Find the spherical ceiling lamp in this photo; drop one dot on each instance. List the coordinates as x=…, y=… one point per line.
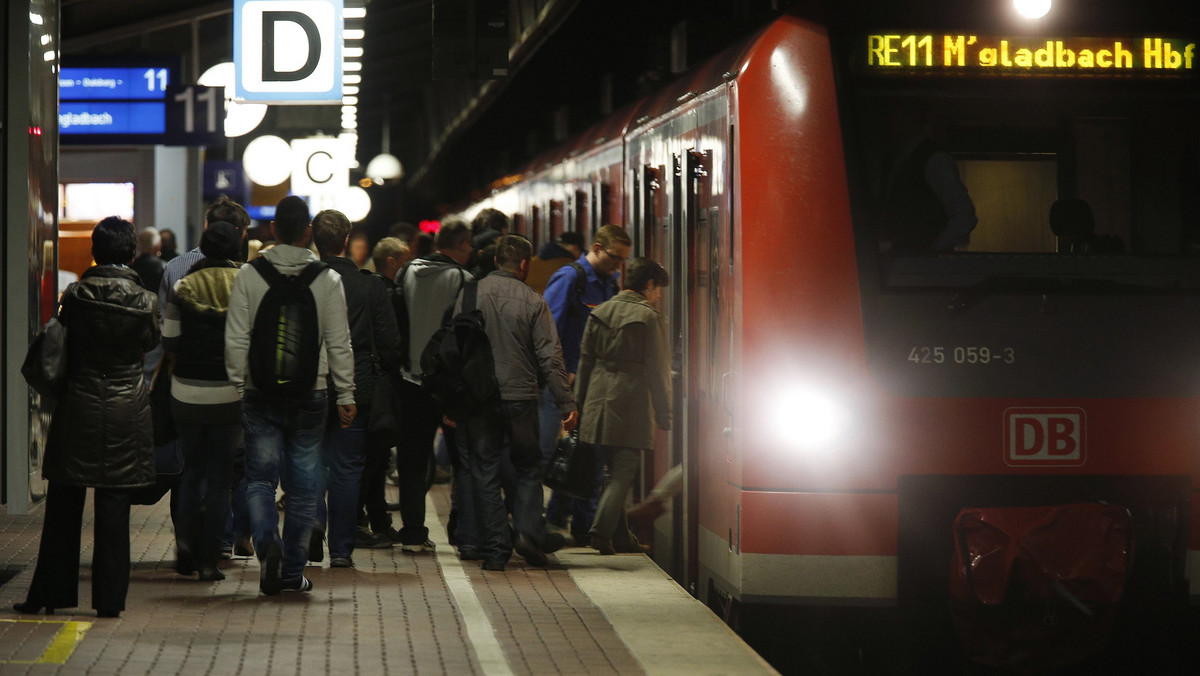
x=240, y=118
x=384, y=167
x=354, y=202
x=1032, y=9
x=268, y=160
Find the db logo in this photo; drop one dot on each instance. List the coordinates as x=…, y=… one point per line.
x=1045, y=437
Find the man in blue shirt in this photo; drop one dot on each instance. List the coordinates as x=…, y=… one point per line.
x=571, y=308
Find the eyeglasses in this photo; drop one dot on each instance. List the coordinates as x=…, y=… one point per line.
x=618, y=259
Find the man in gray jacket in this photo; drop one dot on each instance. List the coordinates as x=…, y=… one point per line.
x=526, y=351
x=429, y=285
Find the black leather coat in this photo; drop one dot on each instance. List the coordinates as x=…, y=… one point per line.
x=101, y=433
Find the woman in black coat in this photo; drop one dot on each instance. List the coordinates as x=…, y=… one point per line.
x=101, y=434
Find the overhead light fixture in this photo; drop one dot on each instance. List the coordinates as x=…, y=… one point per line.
x=354, y=13
x=353, y=34
x=268, y=160
x=384, y=167
x=351, y=79
x=1032, y=9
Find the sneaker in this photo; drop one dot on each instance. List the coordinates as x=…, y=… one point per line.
x=532, y=554
x=300, y=584
x=211, y=575
x=469, y=555
x=364, y=540
x=494, y=565
x=268, y=577
x=226, y=552
x=341, y=562
x=426, y=546
x=316, y=545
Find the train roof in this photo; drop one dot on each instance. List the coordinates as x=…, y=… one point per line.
x=709, y=75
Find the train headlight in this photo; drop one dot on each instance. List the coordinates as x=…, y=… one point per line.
x=806, y=419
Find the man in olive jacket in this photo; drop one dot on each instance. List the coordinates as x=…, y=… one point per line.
x=624, y=374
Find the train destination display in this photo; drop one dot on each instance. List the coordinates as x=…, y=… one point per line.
x=947, y=54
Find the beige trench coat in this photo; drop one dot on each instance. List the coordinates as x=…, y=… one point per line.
x=623, y=386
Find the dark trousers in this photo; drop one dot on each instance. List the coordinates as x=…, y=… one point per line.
x=372, y=496
x=204, y=489
x=420, y=417
x=516, y=422
x=56, y=577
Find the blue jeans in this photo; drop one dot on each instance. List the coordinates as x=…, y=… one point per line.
x=204, y=489
x=343, y=455
x=283, y=439
x=516, y=421
x=561, y=506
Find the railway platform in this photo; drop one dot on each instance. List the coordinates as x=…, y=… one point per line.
x=394, y=613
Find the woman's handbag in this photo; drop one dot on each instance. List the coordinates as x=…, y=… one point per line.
x=572, y=468
x=45, y=366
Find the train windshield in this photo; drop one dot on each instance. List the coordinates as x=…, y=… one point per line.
x=984, y=155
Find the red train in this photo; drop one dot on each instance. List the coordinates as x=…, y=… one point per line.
x=838, y=399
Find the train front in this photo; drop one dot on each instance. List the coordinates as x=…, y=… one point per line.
x=1025, y=198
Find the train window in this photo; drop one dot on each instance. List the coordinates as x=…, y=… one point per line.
x=582, y=224
x=652, y=193
x=1082, y=162
x=605, y=210
x=557, y=218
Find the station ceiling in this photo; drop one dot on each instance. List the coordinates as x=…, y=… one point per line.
x=571, y=61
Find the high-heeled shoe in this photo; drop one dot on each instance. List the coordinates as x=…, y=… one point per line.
x=28, y=608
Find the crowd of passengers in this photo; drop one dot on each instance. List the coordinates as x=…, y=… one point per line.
x=575, y=337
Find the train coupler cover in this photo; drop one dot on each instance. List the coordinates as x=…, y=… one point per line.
x=1035, y=587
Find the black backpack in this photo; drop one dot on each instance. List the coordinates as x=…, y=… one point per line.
x=456, y=365
x=575, y=306
x=285, y=341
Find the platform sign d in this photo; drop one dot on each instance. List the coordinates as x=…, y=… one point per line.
x=288, y=51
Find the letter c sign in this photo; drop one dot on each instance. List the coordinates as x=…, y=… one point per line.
x=288, y=51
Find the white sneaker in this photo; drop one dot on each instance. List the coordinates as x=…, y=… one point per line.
x=426, y=546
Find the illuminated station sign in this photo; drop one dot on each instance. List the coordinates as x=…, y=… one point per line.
x=136, y=103
x=948, y=54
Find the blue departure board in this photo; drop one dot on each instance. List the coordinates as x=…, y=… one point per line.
x=112, y=117
x=136, y=100
x=140, y=82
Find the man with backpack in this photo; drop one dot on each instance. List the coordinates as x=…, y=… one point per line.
x=572, y=292
x=525, y=351
x=426, y=289
x=285, y=332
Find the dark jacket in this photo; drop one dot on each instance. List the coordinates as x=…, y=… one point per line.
x=624, y=373
x=150, y=270
x=101, y=434
x=367, y=307
x=523, y=340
